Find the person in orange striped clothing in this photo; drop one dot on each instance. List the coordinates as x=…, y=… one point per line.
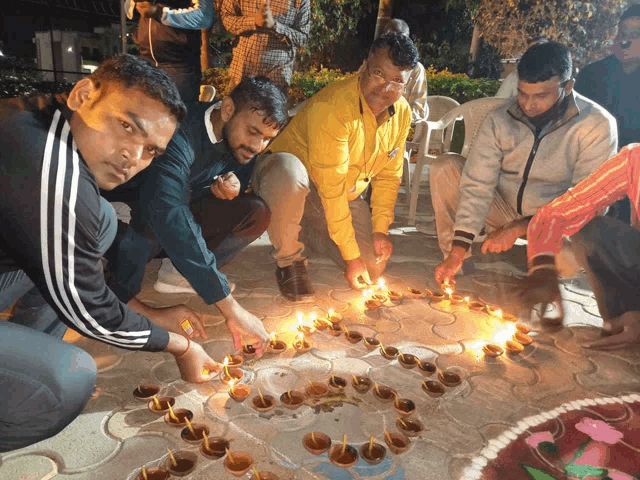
x=606, y=247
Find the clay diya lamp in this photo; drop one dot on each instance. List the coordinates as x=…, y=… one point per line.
x=513, y=348
x=337, y=384
x=438, y=297
x=343, y=455
x=161, y=404
x=292, y=399
x=456, y=299
x=407, y=360
x=194, y=433
x=214, y=447
x=371, y=343
x=373, y=453
x=333, y=316
x=522, y=328
x=306, y=329
x=239, y=393
x=522, y=338
x=352, y=336
x=316, y=442
x=302, y=345
x=276, y=346
x=397, y=442
x=180, y=464
x=493, y=310
x=335, y=329
x=361, y=384
x=410, y=427
x=248, y=351
x=263, y=475
x=450, y=379
x=492, y=350
x=509, y=317
x=263, y=403
x=404, y=406
x=316, y=389
x=228, y=375
x=389, y=352
x=177, y=417
x=234, y=360
x=380, y=297
x=383, y=393
x=433, y=389
x=427, y=368
x=414, y=292
x=476, y=306
x=372, y=304
x=146, y=392
x=395, y=297
x=153, y=473
x=237, y=463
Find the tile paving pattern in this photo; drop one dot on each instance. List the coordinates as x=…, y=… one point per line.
x=116, y=434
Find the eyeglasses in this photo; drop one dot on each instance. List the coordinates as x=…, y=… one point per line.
x=379, y=80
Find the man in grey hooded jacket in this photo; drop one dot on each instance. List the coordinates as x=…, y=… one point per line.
x=530, y=150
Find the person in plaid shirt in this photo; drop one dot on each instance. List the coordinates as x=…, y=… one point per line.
x=268, y=32
x=607, y=248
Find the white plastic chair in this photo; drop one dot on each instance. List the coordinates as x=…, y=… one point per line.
x=473, y=114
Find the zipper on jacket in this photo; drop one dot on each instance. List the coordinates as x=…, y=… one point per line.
x=527, y=169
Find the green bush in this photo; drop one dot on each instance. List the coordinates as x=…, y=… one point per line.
x=305, y=84
x=17, y=79
x=459, y=86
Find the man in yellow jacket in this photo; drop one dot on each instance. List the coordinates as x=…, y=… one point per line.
x=349, y=135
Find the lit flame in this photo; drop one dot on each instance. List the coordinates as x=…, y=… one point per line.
x=299, y=317
x=300, y=337
x=498, y=313
x=448, y=290
x=273, y=336
x=467, y=299
x=504, y=334
x=226, y=361
x=381, y=283
x=331, y=312
x=312, y=317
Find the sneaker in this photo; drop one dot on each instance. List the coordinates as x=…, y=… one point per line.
x=170, y=280
x=294, y=283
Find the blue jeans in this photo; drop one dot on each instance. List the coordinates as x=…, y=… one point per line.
x=45, y=383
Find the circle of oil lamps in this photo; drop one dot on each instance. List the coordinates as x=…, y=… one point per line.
x=316, y=389
x=407, y=360
x=337, y=384
x=383, y=393
x=427, y=368
x=492, y=350
x=239, y=392
x=146, y=392
x=397, y=442
x=352, y=336
x=372, y=452
x=214, y=447
x=178, y=417
x=152, y=473
x=316, y=442
x=522, y=338
x=343, y=455
x=389, y=352
x=361, y=384
x=263, y=403
x=404, y=406
x=514, y=348
x=433, y=389
x=411, y=427
x=237, y=463
x=180, y=464
x=161, y=404
x=371, y=343
x=292, y=399
x=449, y=378
x=193, y=433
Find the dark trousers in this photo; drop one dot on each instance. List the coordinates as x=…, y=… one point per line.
x=227, y=227
x=44, y=382
x=608, y=250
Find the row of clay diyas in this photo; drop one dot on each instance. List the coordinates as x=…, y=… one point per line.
x=516, y=345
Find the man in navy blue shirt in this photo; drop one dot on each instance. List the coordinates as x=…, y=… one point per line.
x=191, y=205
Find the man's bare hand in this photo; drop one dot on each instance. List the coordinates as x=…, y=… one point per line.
x=178, y=318
x=243, y=325
x=382, y=247
x=357, y=274
x=264, y=17
x=149, y=10
x=503, y=238
x=624, y=330
x=196, y=366
x=226, y=187
x=446, y=271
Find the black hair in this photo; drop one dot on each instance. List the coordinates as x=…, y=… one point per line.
x=130, y=71
x=396, y=25
x=543, y=61
x=261, y=95
x=402, y=51
x=632, y=11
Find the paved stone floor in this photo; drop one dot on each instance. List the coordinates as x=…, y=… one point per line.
x=116, y=435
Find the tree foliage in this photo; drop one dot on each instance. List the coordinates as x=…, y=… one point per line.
x=585, y=26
